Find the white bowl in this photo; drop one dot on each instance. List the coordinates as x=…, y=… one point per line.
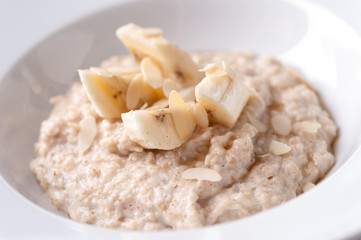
x=323, y=48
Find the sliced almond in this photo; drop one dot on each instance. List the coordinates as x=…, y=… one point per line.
x=169, y=85
x=134, y=91
x=127, y=78
x=281, y=124
x=310, y=126
x=231, y=74
x=217, y=73
x=200, y=115
x=180, y=115
x=308, y=186
x=255, y=99
x=261, y=127
x=144, y=106
x=188, y=94
x=209, y=68
x=263, y=156
x=162, y=103
x=176, y=100
x=202, y=174
x=151, y=32
x=278, y=148
x=87, y=133
x=101, y=72
x=151, y=72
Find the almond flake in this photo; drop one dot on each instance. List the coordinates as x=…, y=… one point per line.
x=151, y=72
x=278, y=148
x=217, y=73
x=200, y=115
x=281, y=124
x=308, y=186
x=255, y=99
x=87, y=133
x=180, y=115
x=151, y=32
x=310, y=127
x=208, y=68
x=188, y=94
x=144, y=106
x=169, y=85
x=176, y=100
x=261, y=127
x=162, y=103
x=202, y=174
x=231, y=74
x=133, y=93
x=263, y=156
x=101, y=72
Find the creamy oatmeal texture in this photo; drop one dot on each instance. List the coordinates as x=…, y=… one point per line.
x=279, y=146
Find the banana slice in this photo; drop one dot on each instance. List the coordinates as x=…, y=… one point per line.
x=174, y=62
x=222, y=93
x=160, y=128
x=105, y=91
x=152, y=128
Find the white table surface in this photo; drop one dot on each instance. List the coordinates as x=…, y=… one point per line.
x=22, y=24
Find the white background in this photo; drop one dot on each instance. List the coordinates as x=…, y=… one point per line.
x=22, y=25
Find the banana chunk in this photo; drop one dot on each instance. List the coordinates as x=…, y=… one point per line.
x=174, y=62
x=160, y=128
x=106, y=92
x=222, y=93
x=152, y=128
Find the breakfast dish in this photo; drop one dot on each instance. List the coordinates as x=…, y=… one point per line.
x=163, y=139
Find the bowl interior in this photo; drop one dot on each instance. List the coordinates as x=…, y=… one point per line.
x=317, y=44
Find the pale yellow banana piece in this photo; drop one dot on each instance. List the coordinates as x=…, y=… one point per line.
x=106, y=91
x=222, y=93
x=152, y=128
x=149, y=42
x=160, y=128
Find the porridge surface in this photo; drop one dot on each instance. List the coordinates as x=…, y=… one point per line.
x=117, y=183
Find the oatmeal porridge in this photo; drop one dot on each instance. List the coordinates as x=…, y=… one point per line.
x=162, y=139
